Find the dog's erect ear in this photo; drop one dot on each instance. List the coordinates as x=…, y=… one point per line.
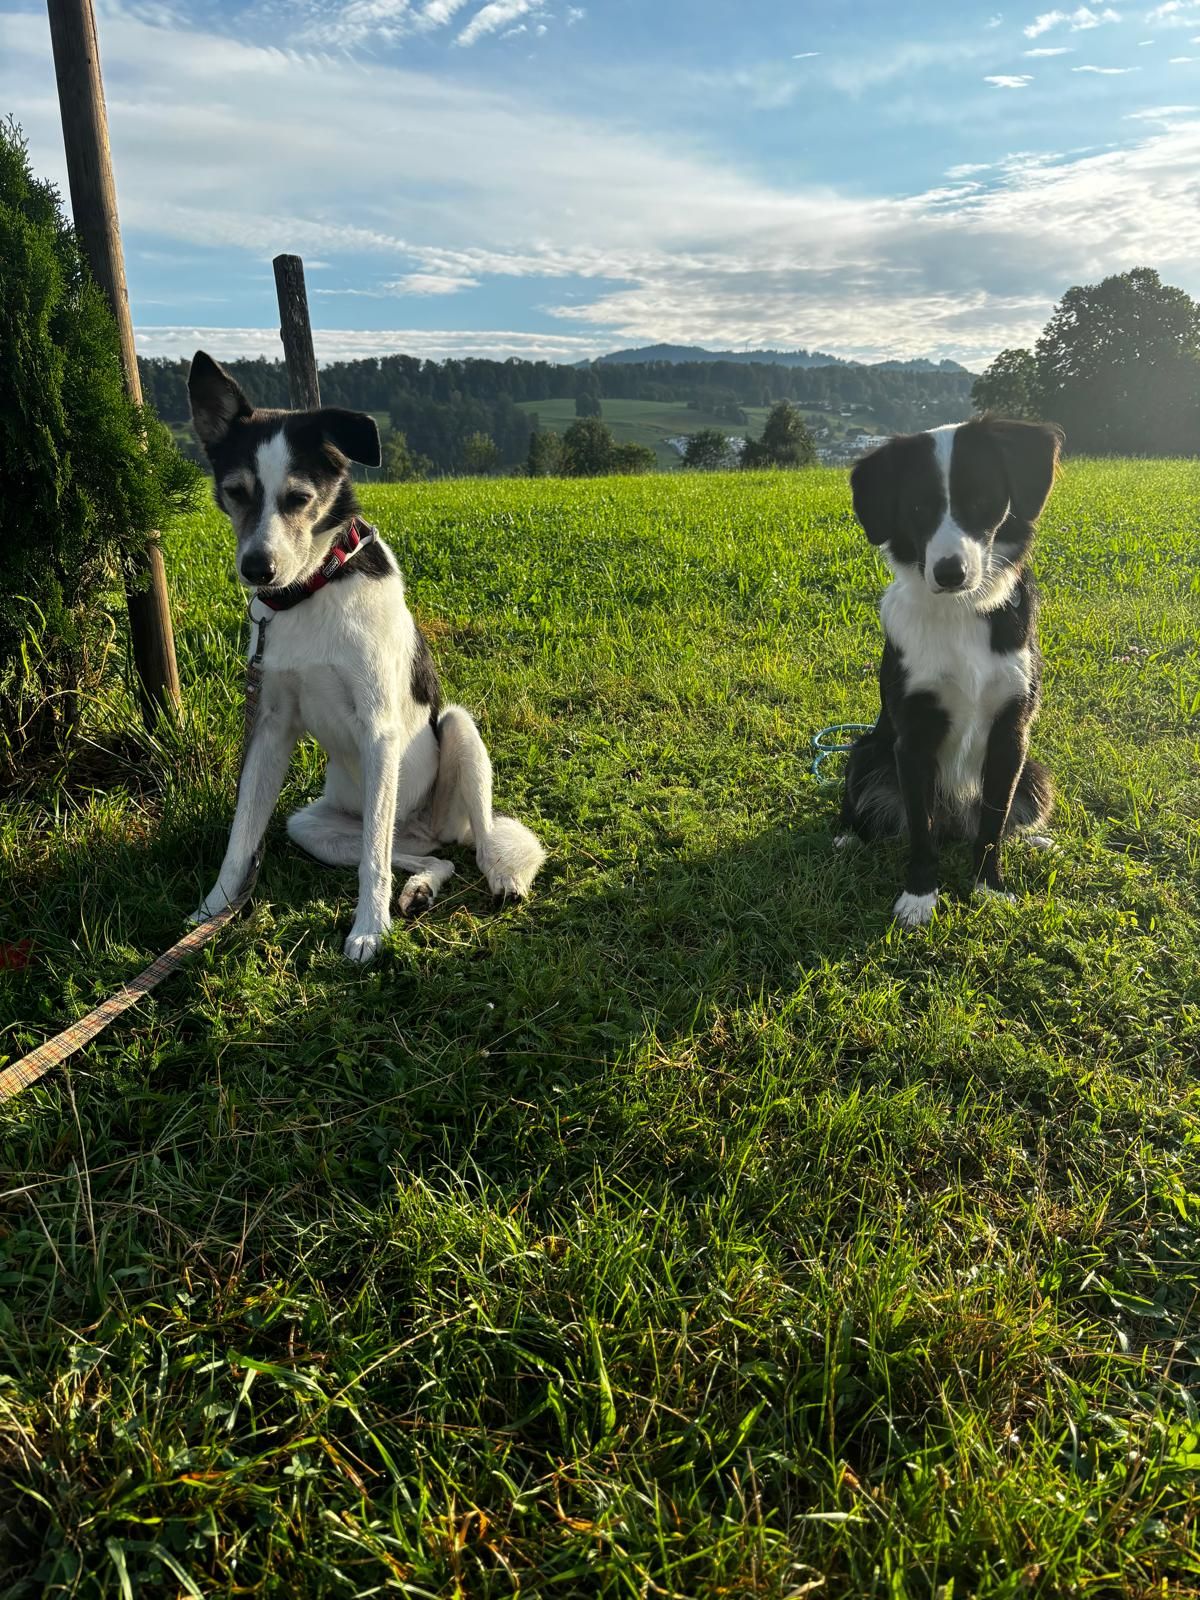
x=1030, y=451
x=873, y=485
x=353, y=432
x=216, y=399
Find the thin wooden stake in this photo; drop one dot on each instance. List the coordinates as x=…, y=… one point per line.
x=296, y=332
x=94, y=209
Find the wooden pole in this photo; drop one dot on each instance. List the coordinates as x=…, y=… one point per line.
x=296, y=332
x=94, y=209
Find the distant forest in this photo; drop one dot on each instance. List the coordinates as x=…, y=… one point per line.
x=442, y=406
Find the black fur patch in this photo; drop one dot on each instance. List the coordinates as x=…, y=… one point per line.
x=374, y=562
x=426, y=685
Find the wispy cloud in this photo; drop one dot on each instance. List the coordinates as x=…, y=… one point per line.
x=1107, y=72
x=1175, y=14
x=493, y=16
x=1079, y=20
x=806, y=55
x=1001, y=81
x=1052, y=50
x=1162, y=114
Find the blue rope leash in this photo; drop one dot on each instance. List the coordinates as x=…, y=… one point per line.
x=822, y=749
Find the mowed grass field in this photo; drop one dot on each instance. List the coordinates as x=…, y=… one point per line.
x=689, y=1231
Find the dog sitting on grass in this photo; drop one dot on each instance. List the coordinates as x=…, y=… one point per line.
x=953, y=513
x=343, y=661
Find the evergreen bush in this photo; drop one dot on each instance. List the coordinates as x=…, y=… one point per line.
x=84, y=474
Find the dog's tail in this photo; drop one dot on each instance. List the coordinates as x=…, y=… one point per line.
x=508, y=854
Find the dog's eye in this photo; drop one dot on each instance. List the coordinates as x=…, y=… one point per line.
x=237, y=492
x=296, y=500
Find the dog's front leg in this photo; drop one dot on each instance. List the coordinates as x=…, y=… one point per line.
x=258, y=789
x=373, y=918
x=1002, y=763
x=919, y=739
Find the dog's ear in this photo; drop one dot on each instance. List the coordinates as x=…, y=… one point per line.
x=215, y=398
x=873, y=486
x=354, y=433
x=1030, y=451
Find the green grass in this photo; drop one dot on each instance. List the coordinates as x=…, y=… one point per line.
x=688, y=1231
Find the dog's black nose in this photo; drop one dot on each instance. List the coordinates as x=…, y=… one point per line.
x=949, y=573
x=258, y=568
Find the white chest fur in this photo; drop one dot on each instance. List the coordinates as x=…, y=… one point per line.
x=946, y=651
x=339, y=665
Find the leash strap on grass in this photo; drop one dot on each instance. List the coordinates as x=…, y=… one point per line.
x=38, y=1062
x=823, y=748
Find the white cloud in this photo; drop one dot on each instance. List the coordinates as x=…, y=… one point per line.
x=1002, y=82
x=244, y=344
x=1162, y=114
x=1176, y=14
x=995, y=20
x=1107, y=72
x=806, y=55
x=427, y=283
x=1079, y=20
x=1052, y=50
x=496, y=14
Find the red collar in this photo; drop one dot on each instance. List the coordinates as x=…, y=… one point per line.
x=356, y=536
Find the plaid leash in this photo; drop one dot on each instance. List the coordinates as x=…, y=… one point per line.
x=38, y=1062
x=20, y=1074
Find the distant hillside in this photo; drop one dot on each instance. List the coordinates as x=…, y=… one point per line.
x=678, y=354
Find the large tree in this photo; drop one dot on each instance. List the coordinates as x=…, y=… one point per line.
x=588, y=448
x=1009, y=386
x=708, y=451
x=785, y=442
x=1118, y=366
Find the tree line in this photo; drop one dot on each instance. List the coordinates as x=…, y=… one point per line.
x=443, y=407
x=1117, y=367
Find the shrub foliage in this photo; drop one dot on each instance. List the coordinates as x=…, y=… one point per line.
x=86, y=476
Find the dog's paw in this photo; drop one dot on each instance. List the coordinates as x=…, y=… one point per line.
x=362, y=945
x=418, y=894
x=914, y=910
x=846, y=841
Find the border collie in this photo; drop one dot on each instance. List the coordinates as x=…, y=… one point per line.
x=348, y=666
x=953, y=512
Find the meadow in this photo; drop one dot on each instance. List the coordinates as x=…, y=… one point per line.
x=688, y=1231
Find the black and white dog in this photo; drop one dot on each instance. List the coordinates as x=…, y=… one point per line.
x=348, y=666
x=953, y=511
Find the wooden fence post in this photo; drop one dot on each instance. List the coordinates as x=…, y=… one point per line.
x=94, y=210
x=296, y=332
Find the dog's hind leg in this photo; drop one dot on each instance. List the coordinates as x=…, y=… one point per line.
x=334, y=838
x=508, y=854
x=1031, y=807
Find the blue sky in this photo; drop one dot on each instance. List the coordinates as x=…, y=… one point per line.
x=511, y=177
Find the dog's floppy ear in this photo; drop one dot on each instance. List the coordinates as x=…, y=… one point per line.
x=1030, y=451
x=215, y=398
x=873, y=486
x=354, y=433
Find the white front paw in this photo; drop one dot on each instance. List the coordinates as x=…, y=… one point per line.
x=914, y=910
x=363, y=944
